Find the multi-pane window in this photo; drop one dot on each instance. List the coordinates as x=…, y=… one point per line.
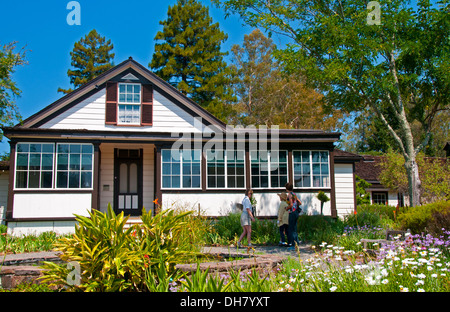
x=74, y=163
x=225, y=169
x=181, y=168
x=235, y=169
x=269, y=169
x=311, y=169
x=302, y=169
x=34, y=165
x=379, y=198
x=129, y=103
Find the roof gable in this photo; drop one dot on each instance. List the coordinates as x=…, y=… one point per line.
x=127, y=71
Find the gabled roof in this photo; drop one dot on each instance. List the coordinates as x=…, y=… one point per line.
x=31, y=126
x=158, y=84
x=368, y=168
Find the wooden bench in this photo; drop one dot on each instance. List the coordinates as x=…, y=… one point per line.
x=390, y=235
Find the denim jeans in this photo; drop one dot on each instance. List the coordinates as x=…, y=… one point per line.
x=283, y=229
x=292, y=229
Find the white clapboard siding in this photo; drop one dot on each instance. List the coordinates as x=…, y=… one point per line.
x=90, y=114
x=345, y=193
x=4, y=182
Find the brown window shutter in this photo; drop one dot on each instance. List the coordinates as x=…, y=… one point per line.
x=147, y=105
x=111, y=103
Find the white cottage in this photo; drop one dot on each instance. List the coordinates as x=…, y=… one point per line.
x=128, y=138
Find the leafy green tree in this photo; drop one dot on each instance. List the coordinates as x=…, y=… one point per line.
x=268, y=96
x=434, y=172
x=187, y=55
x=91, y=56
x=362, y=197
x=9, y=60
x=395, y=59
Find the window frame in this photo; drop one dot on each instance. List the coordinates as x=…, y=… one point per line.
x=16, y=170
x=311, y=171
x=128, y=104
x=377, y=193
x=181, y=162
x=77, y=170
x=269, y=165
x=226, y=175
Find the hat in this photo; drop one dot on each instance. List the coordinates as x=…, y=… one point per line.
x=283, y=196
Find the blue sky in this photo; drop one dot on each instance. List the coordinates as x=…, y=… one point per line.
x=41, y=26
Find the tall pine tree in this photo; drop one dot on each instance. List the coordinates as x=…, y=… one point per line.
x=188, y=56
x=91, y=56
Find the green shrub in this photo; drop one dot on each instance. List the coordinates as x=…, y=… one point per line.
x=113, y=259
x=374, y=215
x=418, y=219
x=318, y=229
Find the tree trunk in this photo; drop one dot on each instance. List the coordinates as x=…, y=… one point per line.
x=414, y=183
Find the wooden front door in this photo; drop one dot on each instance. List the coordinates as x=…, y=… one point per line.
x=128, y=181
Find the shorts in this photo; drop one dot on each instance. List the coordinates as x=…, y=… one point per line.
x=245, y=219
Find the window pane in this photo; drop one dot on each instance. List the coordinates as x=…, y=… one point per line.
x=63, y=148
x=47, y=148
x=47, y=161
x=75, y=148
x=240, y=169
x=166, y=181
x=166, y=155
x=166, y=169
x=35, y=148
x=35, y=161
x=63, y=161
x=74, y=163
x=86, y=163
x=61, y=179
x=86, y=179
x=21, y=147
x=324, y=168
x=196, y=168
x=22, y=161
x=21, y=179
x=86, y=149
x=221, y=181
x=175, y=168
x=74, y=179
x=240, y=182
x=196, y=181
x=33, y=179
x=315, y=156
x=186, y=181
x=46, y=179
x=176, y=181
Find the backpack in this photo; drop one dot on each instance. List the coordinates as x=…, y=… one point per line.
x=296, y=205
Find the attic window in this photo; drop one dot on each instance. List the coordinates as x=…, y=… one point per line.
x=129, y=103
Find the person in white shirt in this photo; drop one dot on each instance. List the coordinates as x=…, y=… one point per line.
x=246, y=218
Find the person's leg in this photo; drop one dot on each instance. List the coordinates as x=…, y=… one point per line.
x=281, y=230
x=291, y=230
x=244, y=232
x=249, y=235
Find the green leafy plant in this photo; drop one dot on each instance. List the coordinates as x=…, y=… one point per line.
x=323, y=199
x=112, y=258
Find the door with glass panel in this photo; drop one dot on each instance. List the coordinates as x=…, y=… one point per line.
x=128, y=181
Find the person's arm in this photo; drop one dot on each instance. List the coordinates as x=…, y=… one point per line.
x=249, y=211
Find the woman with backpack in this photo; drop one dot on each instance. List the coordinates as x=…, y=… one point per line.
x=294, y=210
